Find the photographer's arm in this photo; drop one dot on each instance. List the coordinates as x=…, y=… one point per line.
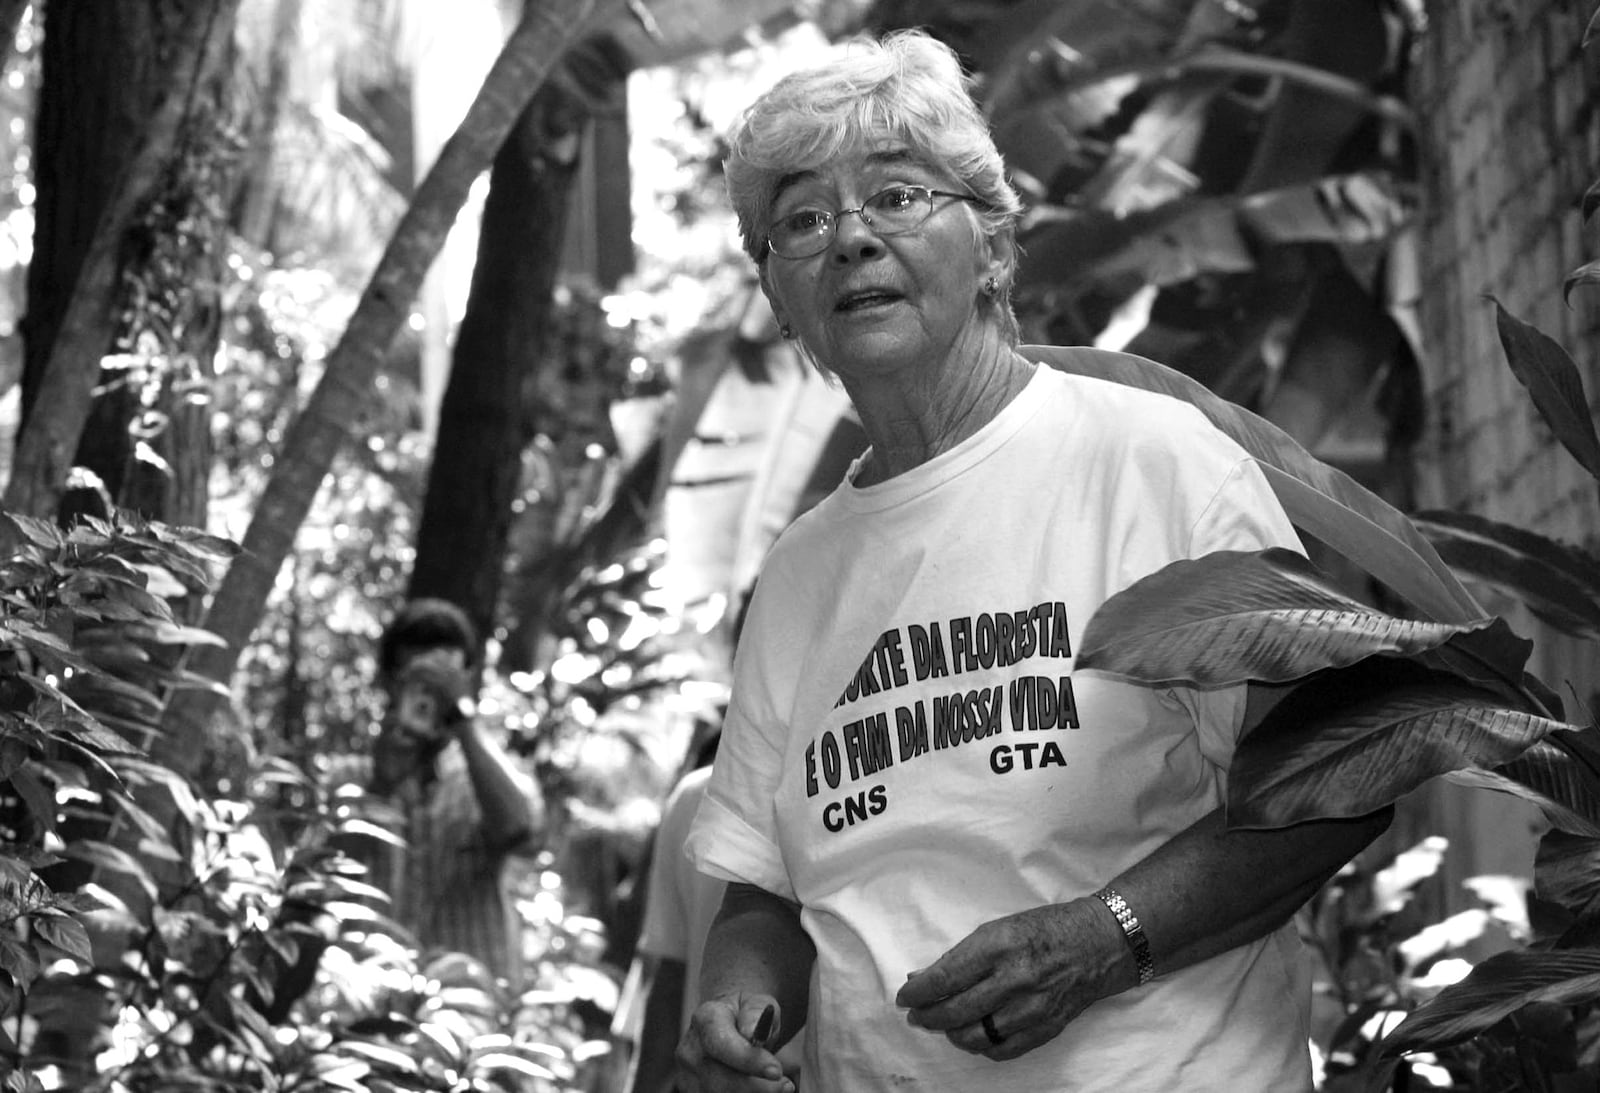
x=512, y=808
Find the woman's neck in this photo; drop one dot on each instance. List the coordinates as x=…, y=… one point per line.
x=909, y=425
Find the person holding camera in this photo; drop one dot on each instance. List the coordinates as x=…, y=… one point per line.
x=462, y=806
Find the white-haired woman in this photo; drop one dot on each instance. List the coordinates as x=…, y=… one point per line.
x=959, y=864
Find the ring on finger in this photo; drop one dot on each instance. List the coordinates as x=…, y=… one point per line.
x=991, y=1032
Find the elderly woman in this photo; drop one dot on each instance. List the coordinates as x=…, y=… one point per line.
x=956, y=862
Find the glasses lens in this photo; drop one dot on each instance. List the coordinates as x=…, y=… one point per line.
x=801, y=233
x=899, y=208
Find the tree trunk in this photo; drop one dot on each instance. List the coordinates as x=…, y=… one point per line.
x=477, y=463
x=99, y=83
x=346, y=387
x=66, y=341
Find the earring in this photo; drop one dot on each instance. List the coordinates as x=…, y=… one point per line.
x=991, y=287
x=786, y=332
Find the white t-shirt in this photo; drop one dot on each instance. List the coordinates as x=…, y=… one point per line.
x=909, y=753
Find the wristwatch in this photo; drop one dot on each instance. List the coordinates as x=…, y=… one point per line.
x=1132, y=932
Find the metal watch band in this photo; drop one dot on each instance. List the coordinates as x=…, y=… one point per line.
x=1132, y=932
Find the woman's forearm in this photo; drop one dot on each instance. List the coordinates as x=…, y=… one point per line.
x=757, y=946
x=1209, y=889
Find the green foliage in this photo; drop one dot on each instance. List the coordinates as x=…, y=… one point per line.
x=1386, y=703
x=155, y=938
x=1379, y=960
x=304, y=680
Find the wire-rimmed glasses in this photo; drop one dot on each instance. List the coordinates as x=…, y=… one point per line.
x=892, y=211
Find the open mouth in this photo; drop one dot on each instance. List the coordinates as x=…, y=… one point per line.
x=858, y=301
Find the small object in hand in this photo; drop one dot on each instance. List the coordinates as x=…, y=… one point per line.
x=990, y=1031
x=763, y=1026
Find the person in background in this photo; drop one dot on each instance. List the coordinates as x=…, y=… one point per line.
x=955, y=861
x=464, y=807
x=680, y=903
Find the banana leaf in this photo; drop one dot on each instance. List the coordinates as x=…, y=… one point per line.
x=1322, y=501
x=1351, y=742
x=1231, y=616
x=1566, y=870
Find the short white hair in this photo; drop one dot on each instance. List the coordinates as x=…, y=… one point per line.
x=905, y=84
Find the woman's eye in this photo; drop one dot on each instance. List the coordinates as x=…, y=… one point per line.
x=898, y=198
x=804, y=220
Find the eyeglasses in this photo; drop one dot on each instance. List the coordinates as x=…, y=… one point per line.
x=894, y=211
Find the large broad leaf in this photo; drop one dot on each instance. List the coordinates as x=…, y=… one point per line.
x=1321, y=500
x=1565, y=790
x=1494, y=990
x=1566, y=870
x=1232, y=616
x=1558, y=583
x=1493, y=657
x=1552, y=379
x=1321, y=754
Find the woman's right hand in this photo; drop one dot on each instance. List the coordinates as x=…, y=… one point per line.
x=720, y=1054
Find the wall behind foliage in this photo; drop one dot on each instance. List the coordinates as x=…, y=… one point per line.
x=1510, y=134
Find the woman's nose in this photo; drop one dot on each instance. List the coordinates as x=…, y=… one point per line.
x=854, y=235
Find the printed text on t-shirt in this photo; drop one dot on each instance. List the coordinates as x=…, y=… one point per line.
x=869, y=744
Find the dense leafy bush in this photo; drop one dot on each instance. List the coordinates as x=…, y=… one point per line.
x=153, y=935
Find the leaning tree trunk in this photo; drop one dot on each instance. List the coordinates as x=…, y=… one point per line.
x=66, y=347
x=347, y=386
x=477, y=462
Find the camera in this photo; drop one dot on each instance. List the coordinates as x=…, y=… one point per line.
x=417, y=710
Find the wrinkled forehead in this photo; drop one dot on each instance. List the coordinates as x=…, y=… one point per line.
x=863, y=159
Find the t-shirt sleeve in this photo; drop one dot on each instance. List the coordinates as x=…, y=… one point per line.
x=1244, y=514
x=734, y=837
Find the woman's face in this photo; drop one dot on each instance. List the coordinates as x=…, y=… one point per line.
x=869, y=304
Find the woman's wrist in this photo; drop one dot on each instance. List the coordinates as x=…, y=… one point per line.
x=1120, y=968
x=1140, y=961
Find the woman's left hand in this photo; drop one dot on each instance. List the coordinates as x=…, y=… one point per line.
x=1028, y=974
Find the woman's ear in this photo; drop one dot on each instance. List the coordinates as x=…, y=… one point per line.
x=1002, y=260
